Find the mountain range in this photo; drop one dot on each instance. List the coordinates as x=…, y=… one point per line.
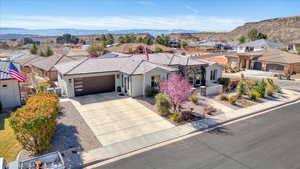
x=17, y=32
x=284, y=29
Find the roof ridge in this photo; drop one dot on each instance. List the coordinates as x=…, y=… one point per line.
x=171, y=59
x=137, y=66
x=77, y=65
x=61, y=56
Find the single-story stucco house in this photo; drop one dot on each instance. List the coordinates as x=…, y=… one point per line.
x=131, y=75
x=259, y=45
x=274, y=60
x=9, y=87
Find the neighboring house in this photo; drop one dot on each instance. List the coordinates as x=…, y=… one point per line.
x=259, y=45
x=9, y=88
x=138, y=48
x=294, y=45
x=221, y=60
x=131, y=75
x=213, y=44
x=175, y=43
x=44, y=66
x=233, y=45
x=267, y=60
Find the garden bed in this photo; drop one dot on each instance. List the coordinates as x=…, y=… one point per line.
x=197, y=112
x=241, y=102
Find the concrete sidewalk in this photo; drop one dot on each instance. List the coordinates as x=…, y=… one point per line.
x=147, y=140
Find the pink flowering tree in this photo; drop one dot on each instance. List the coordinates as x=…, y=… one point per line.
x=177, y=88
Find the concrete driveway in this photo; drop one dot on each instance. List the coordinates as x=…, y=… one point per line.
x=115, y=118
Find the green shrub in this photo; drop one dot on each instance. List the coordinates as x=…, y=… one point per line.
x=261, y=88
x=34, y=124
x=151, y=91
x=269, y=91
x=162, y=104
x=42, y=86
x=225, y=82
x=176, y=117
x=253, y=95
x=232, y=100
x=223, y=97
x=194, y=99
x=241, y=88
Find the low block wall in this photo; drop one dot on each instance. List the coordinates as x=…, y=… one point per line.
x=211, y=90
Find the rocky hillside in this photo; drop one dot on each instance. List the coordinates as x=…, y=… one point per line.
x=278, y=29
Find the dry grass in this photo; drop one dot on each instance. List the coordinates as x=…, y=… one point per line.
x=9, y=146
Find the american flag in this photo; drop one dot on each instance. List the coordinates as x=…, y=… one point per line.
x=146, y=53
x=14, y=73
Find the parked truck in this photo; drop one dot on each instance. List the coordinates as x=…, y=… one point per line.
x=52, y=160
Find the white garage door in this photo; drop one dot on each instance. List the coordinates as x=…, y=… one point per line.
x=9, y=94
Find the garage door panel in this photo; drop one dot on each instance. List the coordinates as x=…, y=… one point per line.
x=91, y=85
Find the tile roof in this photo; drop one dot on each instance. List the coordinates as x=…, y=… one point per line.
x=146, y=66
x=25, y=60
x=218, y=59
x=48, y=63
x=279, y=56
x=136, y=64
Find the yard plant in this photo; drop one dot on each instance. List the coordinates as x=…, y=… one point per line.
x=176, y=117
x=177, y=88
x=162, y=104
x=232, y=100
x=241, y=88
x=150, y=91
x=261, y=88
x=253, y=95
x=34, y=124
x=194, y=99
x=223, y=97
x=269, y=91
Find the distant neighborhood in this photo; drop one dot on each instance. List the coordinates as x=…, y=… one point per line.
x=81, y=94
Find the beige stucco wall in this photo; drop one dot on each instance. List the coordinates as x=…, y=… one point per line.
x=137, y=85
x=208, y=72
x=232, y=62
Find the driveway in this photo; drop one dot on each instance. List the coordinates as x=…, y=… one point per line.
x=268, y=141
x=115, y=118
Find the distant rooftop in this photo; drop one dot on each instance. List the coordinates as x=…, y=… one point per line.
x=263, y=43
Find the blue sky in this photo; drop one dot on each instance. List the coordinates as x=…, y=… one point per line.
x=208, y=15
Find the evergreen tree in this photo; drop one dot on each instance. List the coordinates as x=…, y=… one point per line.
x=34, y=49
x=49, y=51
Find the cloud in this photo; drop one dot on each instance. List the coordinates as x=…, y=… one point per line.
x=193, y=10
x=192, y=22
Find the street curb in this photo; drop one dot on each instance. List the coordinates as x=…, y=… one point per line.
x=208, y=128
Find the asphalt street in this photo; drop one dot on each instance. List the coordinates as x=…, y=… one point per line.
x=268, y=141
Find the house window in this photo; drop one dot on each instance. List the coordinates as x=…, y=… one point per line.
x=155, y=81
x=213, y=74
x=191, y=77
